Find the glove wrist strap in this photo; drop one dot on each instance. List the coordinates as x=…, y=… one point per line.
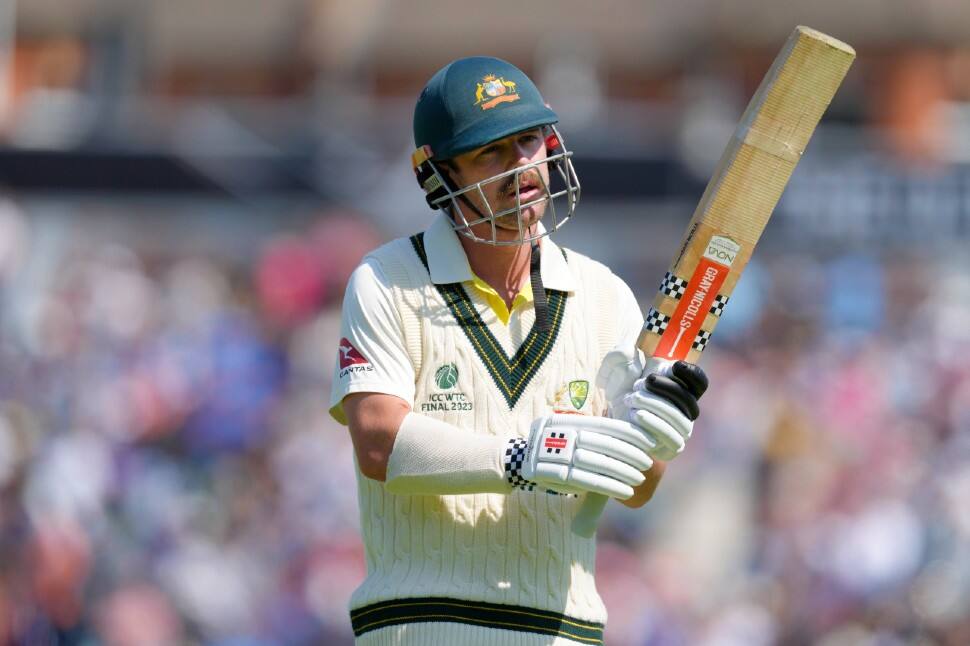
x=514, y=460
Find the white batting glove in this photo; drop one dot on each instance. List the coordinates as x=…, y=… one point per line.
x=579, y=454
x=663, y=404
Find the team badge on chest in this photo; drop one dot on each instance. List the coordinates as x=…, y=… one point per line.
x=571, y=397
x=578, y=391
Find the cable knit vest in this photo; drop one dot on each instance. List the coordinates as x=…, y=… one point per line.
x=486, y=568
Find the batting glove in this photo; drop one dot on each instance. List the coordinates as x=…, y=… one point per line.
x=580, y=454
x=663, y=404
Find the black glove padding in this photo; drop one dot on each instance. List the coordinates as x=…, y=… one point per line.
x=682, y=389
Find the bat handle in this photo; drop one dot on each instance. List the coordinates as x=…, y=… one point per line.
x=588, y=516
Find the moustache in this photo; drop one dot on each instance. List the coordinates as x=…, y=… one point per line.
x=530, y=179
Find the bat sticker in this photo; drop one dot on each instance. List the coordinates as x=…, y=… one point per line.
x=720, y=302
x=656, y=321
x=673, y=286
x=683, y=327
x=722, y=250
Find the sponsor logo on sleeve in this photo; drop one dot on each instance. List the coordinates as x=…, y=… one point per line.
x=351, y=360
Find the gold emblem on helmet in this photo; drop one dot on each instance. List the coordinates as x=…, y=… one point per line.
x=494, y=90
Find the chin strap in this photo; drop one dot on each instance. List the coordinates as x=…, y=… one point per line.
x=538, y=291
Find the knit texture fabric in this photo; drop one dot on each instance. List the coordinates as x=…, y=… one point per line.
x=480, y=375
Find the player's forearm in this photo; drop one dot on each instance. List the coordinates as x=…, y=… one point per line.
x=431, y=457
x=417, y=455
x=373, y=420
x=643, y=493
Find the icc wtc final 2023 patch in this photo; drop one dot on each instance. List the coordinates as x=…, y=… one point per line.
x=446, y=379
x=446, y=376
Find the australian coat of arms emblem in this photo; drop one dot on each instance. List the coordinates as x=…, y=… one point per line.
x=493, y=90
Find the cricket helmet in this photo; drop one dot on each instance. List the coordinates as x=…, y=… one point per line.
x=468, y=104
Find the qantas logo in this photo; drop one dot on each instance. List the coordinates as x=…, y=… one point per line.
x=351, y=360
x=349, y=355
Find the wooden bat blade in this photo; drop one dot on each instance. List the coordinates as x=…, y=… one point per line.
x=741, y=195
x=734, y=209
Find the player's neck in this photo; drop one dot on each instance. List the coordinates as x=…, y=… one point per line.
x=505, y=268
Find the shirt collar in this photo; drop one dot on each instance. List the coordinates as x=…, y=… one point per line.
x=447, y=262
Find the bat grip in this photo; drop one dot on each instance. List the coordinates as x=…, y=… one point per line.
x=588, y=516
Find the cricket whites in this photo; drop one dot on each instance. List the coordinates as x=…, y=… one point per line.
x=740, y=197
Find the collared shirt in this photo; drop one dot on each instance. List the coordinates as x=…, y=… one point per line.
x=371, y=329
x=449, y=264
x=523, y=299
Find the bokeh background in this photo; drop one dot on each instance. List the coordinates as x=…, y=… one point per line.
x=185, y=187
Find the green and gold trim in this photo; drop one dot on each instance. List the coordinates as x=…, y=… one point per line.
x=395, y=612
x=510, y=374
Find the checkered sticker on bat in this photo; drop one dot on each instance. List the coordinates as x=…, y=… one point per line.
x=701, y=341
x=720, y=302
x=673, y=286
x=656, y=321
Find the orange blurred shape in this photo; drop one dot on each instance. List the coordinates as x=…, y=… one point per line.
x=910, y=98
x=55, y=63
x=60, y=555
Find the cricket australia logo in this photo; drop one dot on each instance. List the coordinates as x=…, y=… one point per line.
x=571, y=397
x=446, y=379
x=578, y=391
x=493, y=90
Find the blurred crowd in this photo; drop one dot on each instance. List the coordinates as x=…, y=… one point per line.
x=169, y=473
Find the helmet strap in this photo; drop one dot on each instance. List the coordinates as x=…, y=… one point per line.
x=428, y=178
x=540, y=302
x=538, y=291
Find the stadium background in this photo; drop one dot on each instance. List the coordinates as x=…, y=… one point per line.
x=185, y=187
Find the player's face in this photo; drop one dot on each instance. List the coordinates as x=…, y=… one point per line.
x=498, y=157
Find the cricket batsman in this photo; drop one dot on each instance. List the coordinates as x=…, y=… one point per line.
x=489, y=380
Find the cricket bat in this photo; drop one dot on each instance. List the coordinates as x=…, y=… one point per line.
x=736, y=205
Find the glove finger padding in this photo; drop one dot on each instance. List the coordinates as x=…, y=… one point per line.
x=663, y=409
x=603, y=485
x=617, y=428
x=578, y=453
x=595, y=462
x=675, y=393
x=691, y=376
x=609, y=446
x=670, y=443
x=563, y=478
